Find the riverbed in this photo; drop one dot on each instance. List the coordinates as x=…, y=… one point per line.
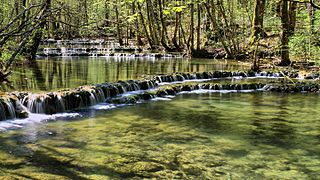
x=207, y=136
x=194, y=135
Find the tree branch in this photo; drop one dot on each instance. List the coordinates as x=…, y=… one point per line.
x=314, y=5
x=18, y=17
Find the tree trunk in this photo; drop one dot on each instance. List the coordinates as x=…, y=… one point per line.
x=119, y=32
x=224, y=31
x=292, y=18
x=198, y=26
x=164, y=27
x=176, y=30
x=285, y=59
x=191, y=37
x=151, y=19
x=211, y=13
x=39, y=32
x=137, y=27
x=24, y=4
x=257, y=25
x=311, y=12
x=132, y=32
x=85, y=13
x=106, y=13
x=145, y=26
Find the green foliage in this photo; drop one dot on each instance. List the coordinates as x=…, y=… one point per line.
x=232, y=23
x=178, y=9
x=304, y=44
x=5, y=55
x=301, y=47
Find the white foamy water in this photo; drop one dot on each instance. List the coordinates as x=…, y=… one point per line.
x=39, y=118
x=104, y=106
x=35, y=118
x=134, y=92
x=205, y=91
x=161, y=99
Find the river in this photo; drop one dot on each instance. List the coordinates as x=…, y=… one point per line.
x=194, y=135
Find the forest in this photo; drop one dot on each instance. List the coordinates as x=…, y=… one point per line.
x=159, y=89
x=285, y=30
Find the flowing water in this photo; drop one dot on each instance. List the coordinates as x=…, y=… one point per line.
x=190, y=136
x=197, y=135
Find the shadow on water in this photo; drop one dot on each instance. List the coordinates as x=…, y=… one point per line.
x=201, y=120
x=48, y=161
x=192, y=136
x=272, y=128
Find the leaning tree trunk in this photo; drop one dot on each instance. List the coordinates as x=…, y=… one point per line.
x=176, y=29
x=37, y=37
x=137, y=27
x=164, y=27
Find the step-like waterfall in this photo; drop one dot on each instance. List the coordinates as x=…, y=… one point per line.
x=16, y=105
x=84, y=96
x=11, y=108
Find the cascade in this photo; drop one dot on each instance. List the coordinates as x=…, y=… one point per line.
x=65, y=100
x=10, y=109
x=64, y=51
x=36, y=104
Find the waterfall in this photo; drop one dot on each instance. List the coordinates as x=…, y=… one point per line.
x=159, y=79
x=36, y=104
x=11, y=109
x=100, y=94
x=135, y=86
x=64, y=51
x=7, y=109
x=66, y=100
x=2, y=112
x=93, y=98
x=60, y=104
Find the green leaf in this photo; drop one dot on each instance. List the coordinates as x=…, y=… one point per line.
x=166, y=12
x=178, y=9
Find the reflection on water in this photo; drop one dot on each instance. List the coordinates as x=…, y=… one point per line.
x=57, y=73
x=208, y=136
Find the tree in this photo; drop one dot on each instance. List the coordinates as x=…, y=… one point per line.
x=284, y=14
x=287, y=12
x=31, y=51
x=118, y=24
x=257, y=25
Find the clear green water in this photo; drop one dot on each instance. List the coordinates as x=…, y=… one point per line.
x=193, y=136
x=60, y=73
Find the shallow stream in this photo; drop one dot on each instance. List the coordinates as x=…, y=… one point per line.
x=206, y=136
x=195, y=135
